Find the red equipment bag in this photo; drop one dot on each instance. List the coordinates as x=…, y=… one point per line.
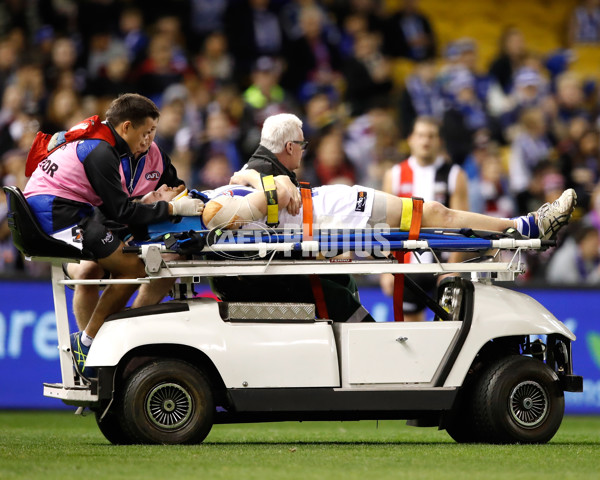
x=44, y=143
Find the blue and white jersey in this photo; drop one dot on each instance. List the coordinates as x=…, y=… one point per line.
x=334, y=207
x=229, y=191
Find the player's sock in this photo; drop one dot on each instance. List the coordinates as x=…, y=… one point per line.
x=527, y=226
x=86, y=339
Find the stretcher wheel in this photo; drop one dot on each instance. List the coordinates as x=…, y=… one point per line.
x=167, y=402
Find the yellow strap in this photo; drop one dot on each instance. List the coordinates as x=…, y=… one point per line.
x=272, y=206
x=268, y=182
x=407, y=212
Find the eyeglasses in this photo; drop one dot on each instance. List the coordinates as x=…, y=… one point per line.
x=303, y=143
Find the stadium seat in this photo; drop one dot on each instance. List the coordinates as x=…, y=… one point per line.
x=401, y=68
x=543, y=22
x=587, y=61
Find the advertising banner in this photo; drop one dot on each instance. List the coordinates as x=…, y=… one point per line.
x=29, y=354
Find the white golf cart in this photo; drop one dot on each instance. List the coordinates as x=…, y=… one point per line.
x=167, y=373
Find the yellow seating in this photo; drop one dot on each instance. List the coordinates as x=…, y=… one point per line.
x=587, y=60
x=401, y=68
x=543, y=22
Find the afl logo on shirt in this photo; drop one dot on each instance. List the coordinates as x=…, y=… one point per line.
x=108, y=239
x=154, y=175
x=361, y=201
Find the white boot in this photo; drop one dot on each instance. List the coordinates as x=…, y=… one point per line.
x=551, y=217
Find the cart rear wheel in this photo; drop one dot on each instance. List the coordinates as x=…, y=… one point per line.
x=167, y=402
x=518, y=400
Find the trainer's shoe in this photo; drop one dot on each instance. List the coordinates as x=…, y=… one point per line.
x=80, y=352
x=551, y=217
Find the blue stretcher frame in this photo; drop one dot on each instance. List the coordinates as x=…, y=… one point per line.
x=454, y=240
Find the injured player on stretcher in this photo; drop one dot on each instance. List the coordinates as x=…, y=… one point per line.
x=244, y=204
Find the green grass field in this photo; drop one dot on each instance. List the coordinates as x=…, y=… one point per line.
x=59, y=445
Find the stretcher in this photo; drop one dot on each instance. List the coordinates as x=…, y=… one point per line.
x=260, y=252
x=251, y=362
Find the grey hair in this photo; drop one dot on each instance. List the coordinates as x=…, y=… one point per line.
x=278, y=130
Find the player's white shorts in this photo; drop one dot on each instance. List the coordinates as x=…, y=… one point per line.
x=336, y=207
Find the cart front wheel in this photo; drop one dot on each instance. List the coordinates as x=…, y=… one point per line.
x=110, y=425
x=518, y=400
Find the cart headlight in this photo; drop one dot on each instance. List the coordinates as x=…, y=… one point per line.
x=451, y=301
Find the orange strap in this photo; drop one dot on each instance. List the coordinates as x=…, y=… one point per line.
x=413, y=234
x=307, y=213
x=417, y=216
x=307, y=234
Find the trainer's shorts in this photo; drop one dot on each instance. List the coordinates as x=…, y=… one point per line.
x=90, y=235
x=77, y=224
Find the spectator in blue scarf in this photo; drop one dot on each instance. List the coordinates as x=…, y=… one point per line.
x=530, y=90
x=422, y=96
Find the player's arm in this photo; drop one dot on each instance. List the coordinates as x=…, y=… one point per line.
x=233, y=211
x=248, y=177
x=288, y=195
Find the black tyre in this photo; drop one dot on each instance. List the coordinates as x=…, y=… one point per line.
x=517, y=400
x=167, y=402
x=111, y=427
x=461, y=424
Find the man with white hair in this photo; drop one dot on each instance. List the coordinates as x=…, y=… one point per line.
x=280, y=153
x=273, y=156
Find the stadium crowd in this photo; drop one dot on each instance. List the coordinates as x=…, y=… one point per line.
x=524, y=129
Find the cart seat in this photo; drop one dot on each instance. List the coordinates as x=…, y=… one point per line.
x=27, y=234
